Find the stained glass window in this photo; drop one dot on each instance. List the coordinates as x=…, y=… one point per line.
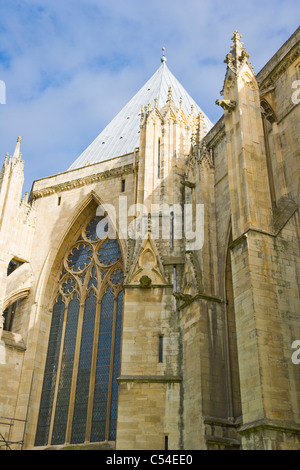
x=103, y=368
x=116, y=367
x=84, y=370
x=50, y=374
x=65, y=379
x=80, y=392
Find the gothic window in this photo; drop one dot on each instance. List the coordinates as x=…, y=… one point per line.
x=80, y=392
x=160, y=348
x=158, y=159
x=13, y=265
x=9, y=315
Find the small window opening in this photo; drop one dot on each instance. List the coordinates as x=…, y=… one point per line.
x=166, y=443
x=9, y=314
x=175, y=278
x=160, y=349
x=172, y=226
x=175, y=285
x=123, y=186
x=13, y=265
x=59, y=200
x=158, y=159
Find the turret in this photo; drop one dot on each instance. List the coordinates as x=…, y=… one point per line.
x=11, y=184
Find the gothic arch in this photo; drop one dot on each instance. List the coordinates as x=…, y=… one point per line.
x=84, y=303
x=147, y=263
x=267, y=111
x=19, y=284
x=233, y=381
x=83, y=210
x=13, y=297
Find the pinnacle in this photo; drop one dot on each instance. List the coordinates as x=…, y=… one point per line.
x=17, y=154
x=237, y=55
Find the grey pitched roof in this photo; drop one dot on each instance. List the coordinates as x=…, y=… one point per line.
x=122, y=134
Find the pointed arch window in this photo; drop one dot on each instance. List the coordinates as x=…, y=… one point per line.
x=158, y=159
x=80, y=392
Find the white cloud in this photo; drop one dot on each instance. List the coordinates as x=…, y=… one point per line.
x=70, y=65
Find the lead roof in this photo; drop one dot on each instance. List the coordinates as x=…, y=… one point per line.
x=122, y=134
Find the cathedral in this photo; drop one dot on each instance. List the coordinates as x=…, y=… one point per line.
x=150, y=294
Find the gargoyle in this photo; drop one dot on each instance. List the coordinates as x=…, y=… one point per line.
x=227, y=105
x=186, y=298
x=188, y=184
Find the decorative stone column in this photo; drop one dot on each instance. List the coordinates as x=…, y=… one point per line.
x=1, y=325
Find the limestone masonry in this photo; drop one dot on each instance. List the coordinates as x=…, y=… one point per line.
x=144, y=342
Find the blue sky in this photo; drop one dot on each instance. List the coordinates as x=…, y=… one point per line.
x=70, y=65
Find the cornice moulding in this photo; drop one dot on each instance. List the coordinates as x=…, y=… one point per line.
x=89, y=179
x=266, y=79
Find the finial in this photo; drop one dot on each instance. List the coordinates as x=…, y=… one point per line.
x=237, y=56
x=25, y=198
x=236, y=36
x=155, y=102
x=163, y=59
x=169, y=94
x=17, y=155
x=180, y=102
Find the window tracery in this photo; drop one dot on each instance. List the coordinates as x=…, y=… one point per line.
x=79, y=394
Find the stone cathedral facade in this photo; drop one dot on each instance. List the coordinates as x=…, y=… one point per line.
x=138, y=339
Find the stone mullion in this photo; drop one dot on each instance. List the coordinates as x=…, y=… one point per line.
x=111, y=368
x=75, y=372
x=154, y=158
x=58, y=371
x=93, y=373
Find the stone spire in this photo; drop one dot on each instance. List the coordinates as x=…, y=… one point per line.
x=17, y=154
x=122, y=135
